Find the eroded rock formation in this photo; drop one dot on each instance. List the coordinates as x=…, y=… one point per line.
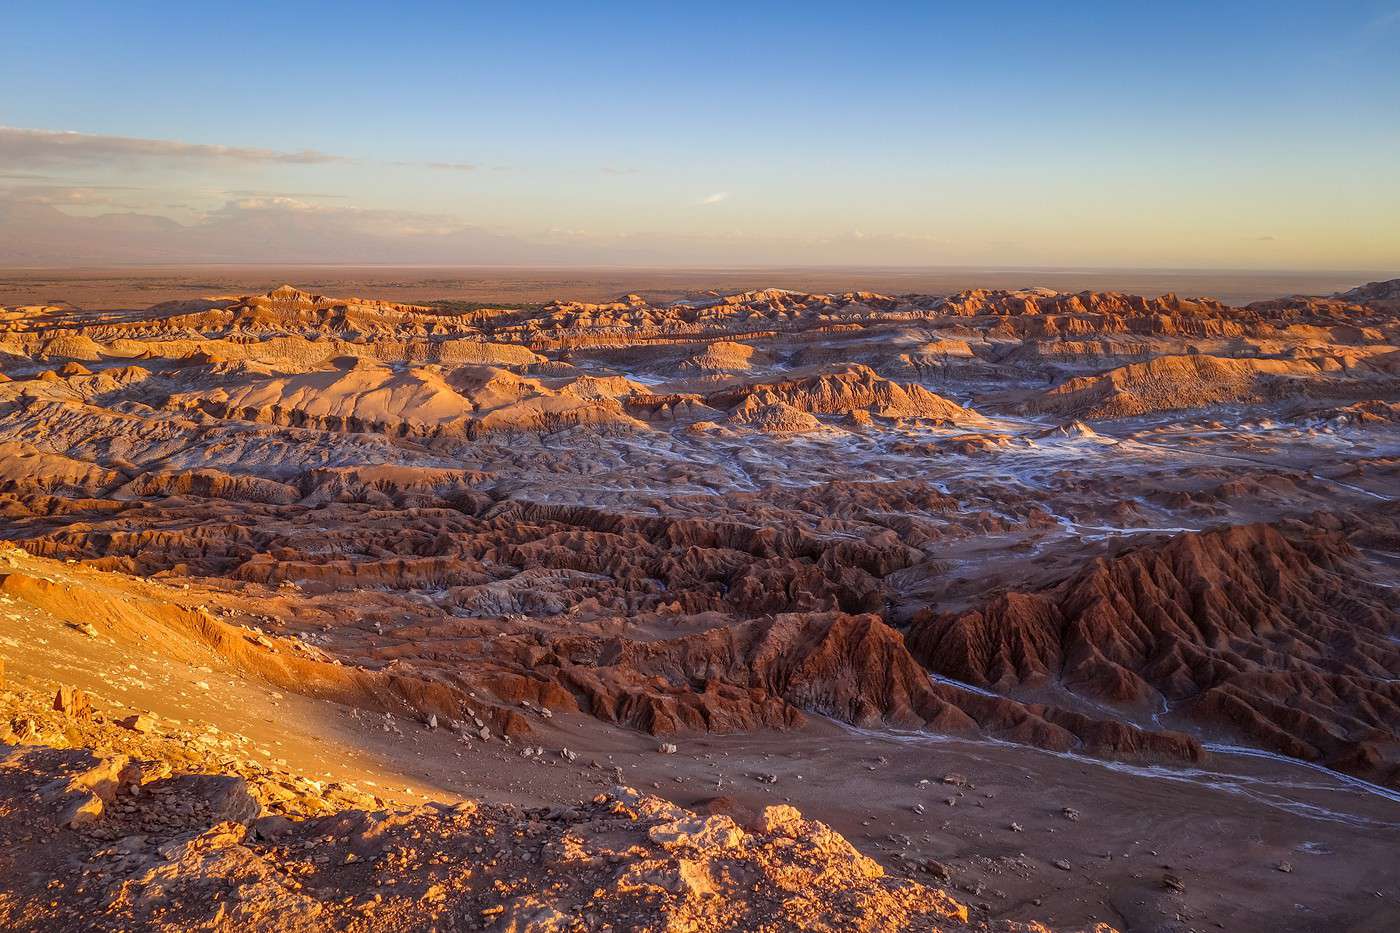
x=1252, y=634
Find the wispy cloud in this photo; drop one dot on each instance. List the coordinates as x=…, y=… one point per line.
x=715, y=198
x=1384, y=21
x=69, y=195
x=24, y=147
x=439, y=166
x=256, y=193
x=29, y=147
x=293, y=213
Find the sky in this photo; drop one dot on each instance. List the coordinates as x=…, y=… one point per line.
x=1243, y=135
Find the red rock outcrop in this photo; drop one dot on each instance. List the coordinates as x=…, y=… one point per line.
x=852, y=668
x=856, y=388
x=1187, y=382
x=1248, y=633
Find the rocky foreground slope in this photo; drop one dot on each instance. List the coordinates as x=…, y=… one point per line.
x=93, y=838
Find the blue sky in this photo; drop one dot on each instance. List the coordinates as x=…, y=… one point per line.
x=1203, y=134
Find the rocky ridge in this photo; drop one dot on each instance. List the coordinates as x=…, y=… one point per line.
x=1270, y=638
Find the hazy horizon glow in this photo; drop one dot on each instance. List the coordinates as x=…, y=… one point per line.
x=1210, y=135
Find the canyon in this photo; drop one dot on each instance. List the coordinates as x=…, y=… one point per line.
x=997, y=608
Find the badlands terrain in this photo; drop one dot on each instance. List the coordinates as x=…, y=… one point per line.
x=983, y=609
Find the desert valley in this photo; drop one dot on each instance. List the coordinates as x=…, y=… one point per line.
x=700, y=468
x=1007, y=608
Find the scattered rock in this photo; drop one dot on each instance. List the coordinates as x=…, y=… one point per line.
x=142, y=723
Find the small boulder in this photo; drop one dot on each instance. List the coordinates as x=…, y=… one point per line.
x=138, y=722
